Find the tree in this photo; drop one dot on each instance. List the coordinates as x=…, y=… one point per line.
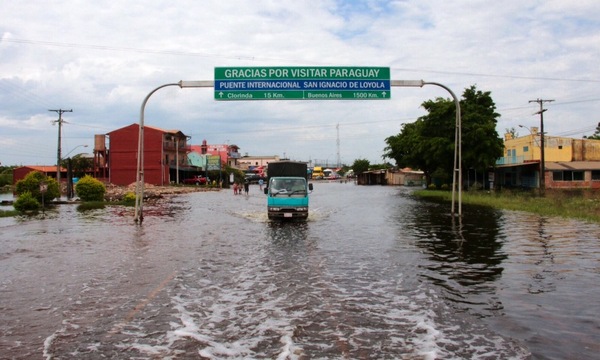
x=428, y=143
x=6, y=175
x=31, y=183
x=513, y=132
x=80, y=164
x=596, y=135
x=360, y=166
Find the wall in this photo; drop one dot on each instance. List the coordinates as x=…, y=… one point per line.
x=123, y=156
x=586, y=150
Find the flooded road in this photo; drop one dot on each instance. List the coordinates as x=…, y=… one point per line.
x=373, y=274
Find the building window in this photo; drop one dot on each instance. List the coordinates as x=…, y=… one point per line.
x=596, y=175
x=568, y=175
x=557, y=175
x=525, y=148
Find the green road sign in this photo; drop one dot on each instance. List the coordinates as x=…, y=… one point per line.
x=302, y=83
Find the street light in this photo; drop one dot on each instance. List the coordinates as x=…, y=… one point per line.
x=139, y=181
x=75, y=148
x=531, y=133
x=457, y=170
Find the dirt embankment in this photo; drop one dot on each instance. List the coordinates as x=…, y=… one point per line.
x=116, y=193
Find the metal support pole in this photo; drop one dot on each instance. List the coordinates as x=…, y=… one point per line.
x=176, y=161
x=457, y=151
x=542, y=154
x=457, y=138
x=139, y=182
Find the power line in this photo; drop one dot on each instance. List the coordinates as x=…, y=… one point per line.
x=577, y=131
x=496, y=75
x=255, y=58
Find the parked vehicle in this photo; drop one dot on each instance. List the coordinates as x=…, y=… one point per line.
x=254, y=178
x=287, y=190
x=196, y=180
x=317, y=173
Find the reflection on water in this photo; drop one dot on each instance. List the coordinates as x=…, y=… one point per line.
x=465, y=253
x=528, y=276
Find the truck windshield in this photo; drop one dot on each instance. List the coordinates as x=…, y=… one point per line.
x=288, y=186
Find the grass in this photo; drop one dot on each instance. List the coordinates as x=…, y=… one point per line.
x=582, y=205
x=8, y=213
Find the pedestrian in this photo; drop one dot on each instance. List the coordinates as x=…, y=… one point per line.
x=235, y=188
x=260, y=184
x=246, y=186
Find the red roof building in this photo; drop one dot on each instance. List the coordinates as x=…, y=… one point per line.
x=20, y=172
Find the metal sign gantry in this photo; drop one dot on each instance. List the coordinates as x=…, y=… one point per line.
x=457, y=167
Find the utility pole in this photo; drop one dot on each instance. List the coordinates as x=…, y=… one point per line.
x=542, y=144
x=339, y=160
x=58, y=155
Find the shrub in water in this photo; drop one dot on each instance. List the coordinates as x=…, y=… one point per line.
x=26, y=202
x=90, y=189
x=129, y=198
x=31, y=184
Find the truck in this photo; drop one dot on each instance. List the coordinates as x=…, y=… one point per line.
x=287, y=190
x=317, y=173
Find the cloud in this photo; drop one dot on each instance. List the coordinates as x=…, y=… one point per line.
x=102, y=59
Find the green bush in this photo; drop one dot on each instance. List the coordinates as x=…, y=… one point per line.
x=129, y=198
x=31, y=183
x=26, y=202
x=90, y=189
x=432, y=186
x=90, y=205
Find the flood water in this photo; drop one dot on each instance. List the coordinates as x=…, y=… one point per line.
x=373, y=274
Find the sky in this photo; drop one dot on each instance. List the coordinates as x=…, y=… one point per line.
x=101, y=59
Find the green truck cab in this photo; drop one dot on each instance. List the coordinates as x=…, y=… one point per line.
x=287, y=190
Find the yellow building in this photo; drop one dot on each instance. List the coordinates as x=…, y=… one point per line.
x=568, y=162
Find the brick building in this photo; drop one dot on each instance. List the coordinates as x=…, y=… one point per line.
x=165, y=155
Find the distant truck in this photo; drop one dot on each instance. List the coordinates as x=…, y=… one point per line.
x=318, y=173
x=287, y=190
